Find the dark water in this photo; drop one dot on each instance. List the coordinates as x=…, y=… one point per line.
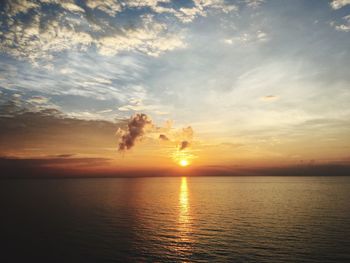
x=204, y=219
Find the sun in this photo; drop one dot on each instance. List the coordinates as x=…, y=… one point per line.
x=183, y=163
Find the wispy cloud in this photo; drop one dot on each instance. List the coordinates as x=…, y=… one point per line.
x=343, y=27
x=247, y=38
x=269, y=98
x=254, y=3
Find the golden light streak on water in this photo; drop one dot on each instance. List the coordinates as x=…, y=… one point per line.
x=185, y=219
x=183, y=200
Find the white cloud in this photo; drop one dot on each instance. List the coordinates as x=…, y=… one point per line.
x=247, y=38
x=228, y=41
x=34, y=42
x=184, y=14
x=38, y=100
x=345, y=27
x=254, y=3
x=110, y=7
x=71, y=7
x=42, y=35
x=151, y=38
x=336, y=4
x=86, y=115
x=66, y=70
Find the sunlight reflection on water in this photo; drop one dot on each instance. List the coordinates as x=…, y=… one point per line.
x=179, y=219
x=184, y=223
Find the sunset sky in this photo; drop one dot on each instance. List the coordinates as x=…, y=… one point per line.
x=224, y=85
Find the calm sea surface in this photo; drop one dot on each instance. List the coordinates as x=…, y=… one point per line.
x=203, y=219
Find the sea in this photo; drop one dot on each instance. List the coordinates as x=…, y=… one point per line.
x=176, y=219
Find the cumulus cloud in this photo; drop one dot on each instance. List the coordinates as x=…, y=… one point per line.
x=337, y=4
x=141, y=124
x=135, y=129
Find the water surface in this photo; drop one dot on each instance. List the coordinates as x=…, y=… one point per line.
x=201, y=219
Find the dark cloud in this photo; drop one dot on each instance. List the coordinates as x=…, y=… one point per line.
x=340, y=168
x=86, y=167
x=135, y=129
x=11, y=167
x=186, y=138
x=163, y=137
x=64, y=155
x=54, y=167
x=184, y=145
x=51, y=131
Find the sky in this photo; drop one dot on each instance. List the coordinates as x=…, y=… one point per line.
x=118, y=86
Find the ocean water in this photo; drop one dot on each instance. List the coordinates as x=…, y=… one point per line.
x=193, y=219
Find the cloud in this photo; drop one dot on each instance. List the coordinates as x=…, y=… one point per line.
x=185, y=14
x=258, y=36
x=42, y=35
x=12, y=167
x=138, y=105
x=73, y=26
x=109, y=7
x=38, y=100
x=51, y=166
x=163, y=137
x=185, y=137
x=337, y=4
x=184, y=145
x=345, y=27
x=135, y=129
x=254, y=3
x=150, y=37
x=325, y=169
x=19, y=6
x=269, y=98
x=25, y=128
x=182, y=137
x=64, y=155
x=140, y=124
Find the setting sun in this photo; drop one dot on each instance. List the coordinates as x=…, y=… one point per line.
x=184, y=163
